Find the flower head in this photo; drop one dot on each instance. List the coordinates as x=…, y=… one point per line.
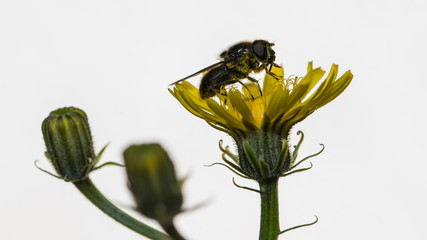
x=256, y=116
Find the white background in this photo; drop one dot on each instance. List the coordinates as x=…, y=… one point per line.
x=115, y=59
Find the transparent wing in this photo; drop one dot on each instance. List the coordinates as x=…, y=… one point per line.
x=201, y=71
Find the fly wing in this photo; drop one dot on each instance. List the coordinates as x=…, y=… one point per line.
x=201, y=71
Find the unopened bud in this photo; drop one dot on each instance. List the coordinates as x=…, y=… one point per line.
x=69, y=143
x=153, y=182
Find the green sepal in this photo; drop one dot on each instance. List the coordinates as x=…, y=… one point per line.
x=234, y=166
x=228, y=152
x=282, y=164
x=250, y=155
x=295, y=152
x=264, y=168
x=99, y=155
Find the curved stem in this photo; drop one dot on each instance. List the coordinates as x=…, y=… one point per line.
x=269, y=227
x=169, y=227
x=90, y=191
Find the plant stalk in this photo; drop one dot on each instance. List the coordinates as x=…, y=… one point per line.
x=90, y=191
x=269, y=227
x=169, y=227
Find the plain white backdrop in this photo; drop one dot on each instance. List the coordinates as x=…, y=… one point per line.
x=115, y=59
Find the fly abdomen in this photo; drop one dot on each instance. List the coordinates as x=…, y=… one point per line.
x=213, y=81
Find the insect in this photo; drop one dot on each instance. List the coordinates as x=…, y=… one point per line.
x=236, y=63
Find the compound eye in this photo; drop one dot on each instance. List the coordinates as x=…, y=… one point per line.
x=260, y=50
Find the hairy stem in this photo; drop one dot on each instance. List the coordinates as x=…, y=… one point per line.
x=269, y=227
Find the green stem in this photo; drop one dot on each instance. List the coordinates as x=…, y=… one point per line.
x=169, y=227
x=269, y=228
x=88, y=189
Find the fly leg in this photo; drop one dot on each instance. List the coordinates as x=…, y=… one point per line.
x=267, y=68
x=249, y=91
x=217, y=87
x=252, y=79
x=269, y=72
x=239, y=75
x=255, y=81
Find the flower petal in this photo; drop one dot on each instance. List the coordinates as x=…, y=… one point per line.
x=224, y=115
x=236, y=99
x=270, y=82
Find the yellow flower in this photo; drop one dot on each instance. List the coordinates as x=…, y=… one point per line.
x=260, y=119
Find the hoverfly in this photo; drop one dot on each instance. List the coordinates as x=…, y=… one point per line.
x=236, y=63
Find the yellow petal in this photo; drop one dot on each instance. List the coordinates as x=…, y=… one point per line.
x=236, y=99
x=270, y=82
x=224, y=115
x=277, y=104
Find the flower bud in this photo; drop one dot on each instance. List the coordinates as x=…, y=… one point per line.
x=69, y=143
x=153, y=182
